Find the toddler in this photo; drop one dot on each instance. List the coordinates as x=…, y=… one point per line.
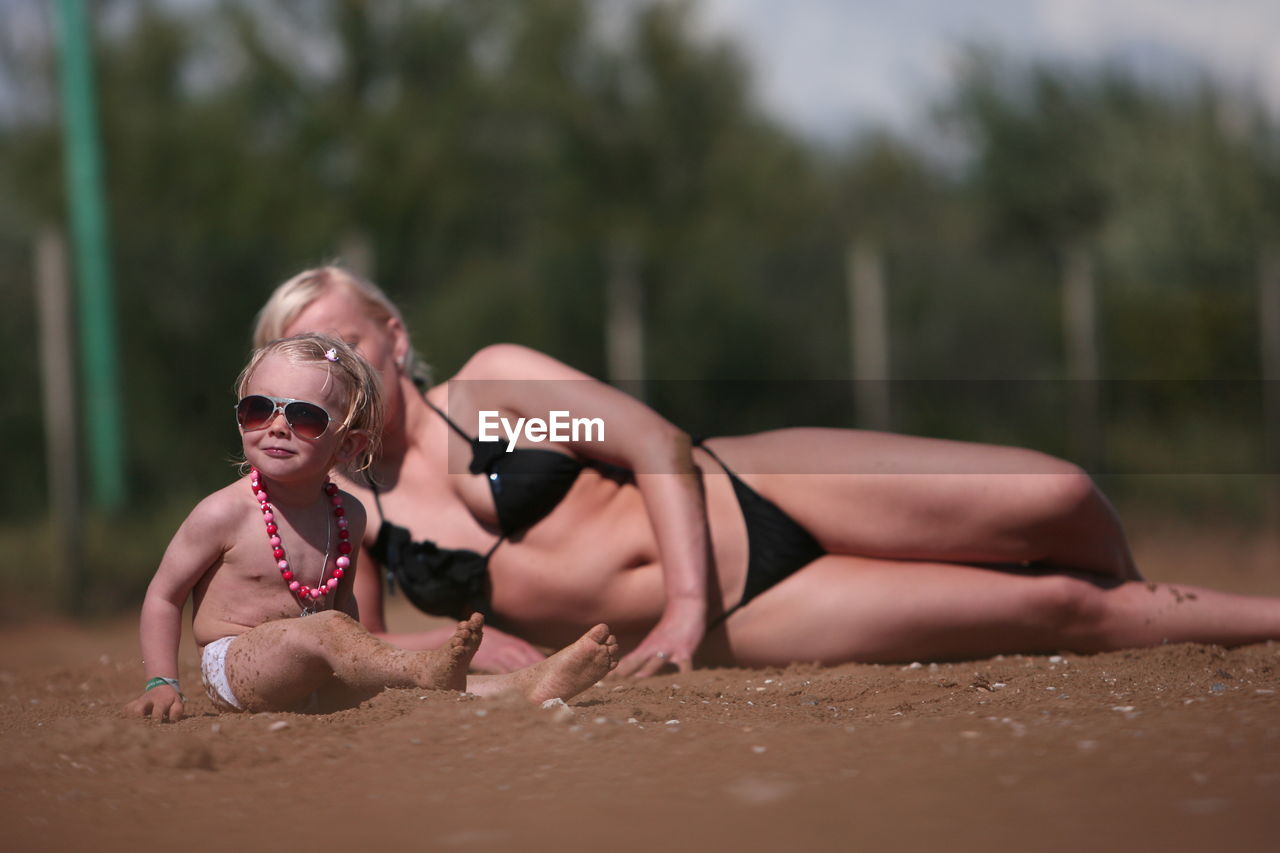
x=269, y=562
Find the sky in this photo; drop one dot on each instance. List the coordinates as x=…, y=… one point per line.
x=831, y=67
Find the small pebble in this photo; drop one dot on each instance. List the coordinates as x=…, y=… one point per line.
x=560, y=712
x=673, y=722
x=277, y=726
x=758, y=749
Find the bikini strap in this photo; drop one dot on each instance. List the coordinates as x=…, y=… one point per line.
x=448, y=420
x=387, y=575
x=698, y=443
x=373, y=487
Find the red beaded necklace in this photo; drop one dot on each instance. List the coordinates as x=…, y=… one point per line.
x=306, y=595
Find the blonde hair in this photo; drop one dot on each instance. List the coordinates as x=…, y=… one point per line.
x=358, y=385
x=292, y=297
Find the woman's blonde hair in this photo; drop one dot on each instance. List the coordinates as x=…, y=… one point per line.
x=358, y=385
x=292, y=297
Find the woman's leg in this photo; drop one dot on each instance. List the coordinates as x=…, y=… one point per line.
x=278, y=665
x=900, y=497
x=841, y=609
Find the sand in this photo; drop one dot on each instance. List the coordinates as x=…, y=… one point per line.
x=1174, y=748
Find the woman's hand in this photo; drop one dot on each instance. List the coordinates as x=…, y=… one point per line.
x=673, y=641
x=501, y=653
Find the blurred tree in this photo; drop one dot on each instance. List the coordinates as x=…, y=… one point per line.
x=1039, y=143
x=885, y=192
x=502, y=161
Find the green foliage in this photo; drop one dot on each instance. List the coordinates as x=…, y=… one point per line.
x=493, y=154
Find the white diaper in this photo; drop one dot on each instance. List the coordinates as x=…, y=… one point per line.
x=213, y=672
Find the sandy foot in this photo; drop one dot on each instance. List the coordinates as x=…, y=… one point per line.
x=446, y=667
x=563, y=675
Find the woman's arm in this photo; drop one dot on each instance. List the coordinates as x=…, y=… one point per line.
x=639, y=439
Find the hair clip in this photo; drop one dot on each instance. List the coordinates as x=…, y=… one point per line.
x=332, y=354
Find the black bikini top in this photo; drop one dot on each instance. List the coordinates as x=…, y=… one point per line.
x=526, y=485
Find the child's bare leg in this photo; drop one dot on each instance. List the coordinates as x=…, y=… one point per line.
x=562, y=676
x=278, y=665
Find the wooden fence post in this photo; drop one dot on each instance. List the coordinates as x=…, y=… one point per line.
x=1080, y=331
x=1269, y=338
x=62, y=455
x=624, y=323
x=869, y=330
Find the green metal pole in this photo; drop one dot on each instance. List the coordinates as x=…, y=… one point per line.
x=93, y=274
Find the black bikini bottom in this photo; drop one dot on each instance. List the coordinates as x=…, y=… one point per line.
x=777, y=546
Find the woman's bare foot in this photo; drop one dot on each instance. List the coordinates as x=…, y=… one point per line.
x=446, y=667
x=562, y=676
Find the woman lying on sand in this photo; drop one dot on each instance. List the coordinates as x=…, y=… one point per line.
x=715, y=551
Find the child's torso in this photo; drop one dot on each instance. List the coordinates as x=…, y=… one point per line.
x=245, y=588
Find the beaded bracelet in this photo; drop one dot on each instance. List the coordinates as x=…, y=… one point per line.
x=160, y=679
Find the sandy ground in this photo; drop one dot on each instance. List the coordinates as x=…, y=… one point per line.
x=1175, y=748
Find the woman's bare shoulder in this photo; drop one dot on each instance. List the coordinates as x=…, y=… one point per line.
x=514, y=361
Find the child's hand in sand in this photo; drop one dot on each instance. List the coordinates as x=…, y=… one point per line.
x=159, y=703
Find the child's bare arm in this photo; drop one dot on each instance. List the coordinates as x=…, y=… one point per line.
x=194, y=549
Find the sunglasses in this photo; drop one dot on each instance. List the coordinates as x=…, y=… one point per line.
x=308, y=420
